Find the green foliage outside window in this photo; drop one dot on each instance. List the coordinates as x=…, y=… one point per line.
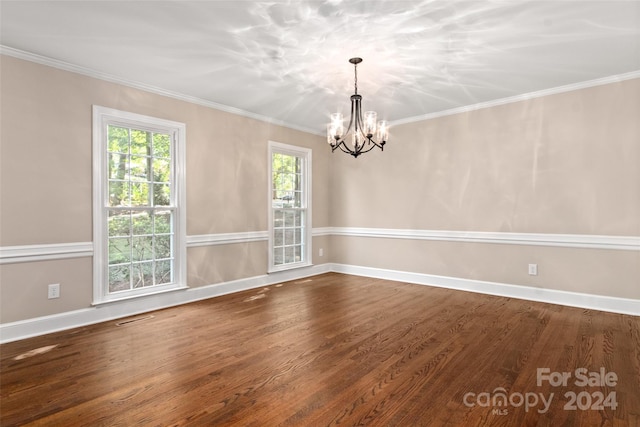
x=140, y=238
x=287, y=179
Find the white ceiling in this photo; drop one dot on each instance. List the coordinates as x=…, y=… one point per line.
x=288, y=60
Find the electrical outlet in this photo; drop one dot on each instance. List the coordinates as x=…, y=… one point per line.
x=321, y=252
x=54, y=291
x=533, y=269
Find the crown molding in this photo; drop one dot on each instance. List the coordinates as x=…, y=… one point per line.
x=43, y=60
x=66, y=66
x=517, y=98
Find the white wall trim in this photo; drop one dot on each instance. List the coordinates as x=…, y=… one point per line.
x=587, y=241
x=552, y=296
x=61, y=65
x=322, y=231
x=72, y=319
x=47, y=324
x=30, y=253
x=65, y=66
x=523, y=97
x=226, y=238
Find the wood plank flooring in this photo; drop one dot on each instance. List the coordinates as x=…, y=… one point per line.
x=331, y=350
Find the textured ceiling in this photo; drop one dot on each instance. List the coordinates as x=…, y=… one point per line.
x=288, y=60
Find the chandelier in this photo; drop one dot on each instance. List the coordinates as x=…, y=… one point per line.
x=363, y=128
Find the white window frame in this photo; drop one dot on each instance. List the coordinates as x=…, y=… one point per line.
x=102, y=118
x=307, y=251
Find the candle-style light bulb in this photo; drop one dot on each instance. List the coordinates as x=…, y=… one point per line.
x=370, y=118
x=383, y=131
x=335, y=129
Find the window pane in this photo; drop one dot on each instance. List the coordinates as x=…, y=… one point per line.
x=119, y=193
x=163, y=272
x=161, y=170
x=140, y=142
x=139, y=194
x=298, y=219
x=161, y=145
x=119, y=278
x=119, y=250
x=142, y=274
x=289, y=255
x=289, y=218
x=142, y=248
x=289, y=238
x=278, y=237
x=163, y=246
x=161, y=194
x=298, y=236
x=118, y=139
x=278, y=218
x=162, y=222
x=139, y=168
x=298, y=253
x=118, y=166
x=278, y=256
x=119, y=223
x=141, y=223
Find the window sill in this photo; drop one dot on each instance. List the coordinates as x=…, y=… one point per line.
x=140, y=295
x=289, y=267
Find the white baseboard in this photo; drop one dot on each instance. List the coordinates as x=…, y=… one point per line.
x=553, y=296
x=47, y=324
x=72, y=319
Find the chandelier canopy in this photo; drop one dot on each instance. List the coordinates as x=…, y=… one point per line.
x=361, y=140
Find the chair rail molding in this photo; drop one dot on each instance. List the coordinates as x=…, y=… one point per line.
x=591, y=241
x=31, y=253
x=44, y=252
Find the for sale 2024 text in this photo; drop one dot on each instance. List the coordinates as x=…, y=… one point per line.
x=582, y=377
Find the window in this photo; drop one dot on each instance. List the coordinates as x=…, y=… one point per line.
x=139, y=219
x=290, y=207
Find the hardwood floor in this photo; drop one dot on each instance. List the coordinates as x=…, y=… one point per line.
x=328, y=350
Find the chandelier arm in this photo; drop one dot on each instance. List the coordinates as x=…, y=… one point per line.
x=369, y=149
x=355, y=153
x=343, y=147
x=359, y=115
x=375, y=143
x=353, y=109
x=346, y=132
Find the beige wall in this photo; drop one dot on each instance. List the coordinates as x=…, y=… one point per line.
x=45, y=181
x=567, y=163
